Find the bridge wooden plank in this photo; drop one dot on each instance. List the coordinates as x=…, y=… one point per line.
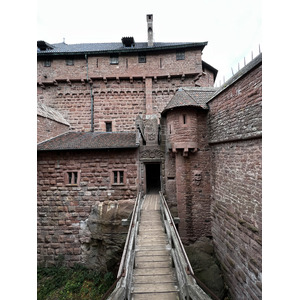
x=153, y=276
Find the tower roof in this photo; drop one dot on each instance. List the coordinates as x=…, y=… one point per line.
x=191, y=97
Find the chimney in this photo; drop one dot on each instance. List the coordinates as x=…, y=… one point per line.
x=150, y=30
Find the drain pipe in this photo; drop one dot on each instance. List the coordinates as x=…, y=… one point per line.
x=91, y=91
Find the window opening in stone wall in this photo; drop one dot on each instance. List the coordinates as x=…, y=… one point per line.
x=170, y=129
x=47, y=63
x=70, y=62
x=142, y=58
x=108, y=126
x=114, y=59
x=180, y=55
x=184, y=119
x=72, y=178
x=160, y=62
x=118, y=177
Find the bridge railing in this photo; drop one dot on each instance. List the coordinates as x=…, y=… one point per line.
x=124, y=277
x=188, y=287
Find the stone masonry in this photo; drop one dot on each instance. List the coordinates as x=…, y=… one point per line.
x=205, y=152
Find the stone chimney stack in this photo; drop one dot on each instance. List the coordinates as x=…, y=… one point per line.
x=150, y=30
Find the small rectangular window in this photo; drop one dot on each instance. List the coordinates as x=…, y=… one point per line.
x=180, y=55
x=108, y=126
x=115, y=176
x=70, y=62
x=47, y=63
x=118, y=177
x=142, y=58
x=72, y=178
x=114, y=59
x=121, y=176
x=184, y=119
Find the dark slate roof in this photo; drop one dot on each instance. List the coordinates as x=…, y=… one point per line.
x=251, y=65
x=50, y=113
x=95, y=48
x=191, y=96
x=90, y=140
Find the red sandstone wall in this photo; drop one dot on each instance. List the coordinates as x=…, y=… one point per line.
x=47, y=129
x=235, y=140
x=119, y=102
x=192, y=172
x=157, y=64
x=61, y=207
x=207, y=79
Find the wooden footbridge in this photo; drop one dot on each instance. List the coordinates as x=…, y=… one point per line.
x=154, y=264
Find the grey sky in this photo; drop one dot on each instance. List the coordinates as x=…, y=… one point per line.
x=232, y=28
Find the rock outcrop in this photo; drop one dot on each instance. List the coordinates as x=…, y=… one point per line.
x=103, y=236
x=205, y=265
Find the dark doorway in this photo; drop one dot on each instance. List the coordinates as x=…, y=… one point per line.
x=152, y=178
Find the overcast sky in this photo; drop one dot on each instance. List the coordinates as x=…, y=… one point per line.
x=232, y=28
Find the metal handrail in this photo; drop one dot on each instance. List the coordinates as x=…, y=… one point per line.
x=185, y=274
x=123, y=282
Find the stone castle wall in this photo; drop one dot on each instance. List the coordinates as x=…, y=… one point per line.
x=189, y=171
x=47, y=128
x=119, y=102
x=236, y=206
x=64, y=207
x=157, y=64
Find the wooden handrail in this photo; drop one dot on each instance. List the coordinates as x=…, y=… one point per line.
x=123, y=282
x=189, y=289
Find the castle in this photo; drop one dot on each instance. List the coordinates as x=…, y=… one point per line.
x=116, y=119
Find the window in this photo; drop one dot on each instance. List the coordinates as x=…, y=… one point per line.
x=142, y=58
x=118, y=177
x=47, y=63
x=184, y=119
x=180, y=55
x=114, y=59
x=70, y=62
x=108, y=126
x=72, y=178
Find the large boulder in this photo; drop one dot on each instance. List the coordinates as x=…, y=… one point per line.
x=103, y=236
x=205, y=265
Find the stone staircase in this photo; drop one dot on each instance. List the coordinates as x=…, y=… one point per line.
x=153, y=275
